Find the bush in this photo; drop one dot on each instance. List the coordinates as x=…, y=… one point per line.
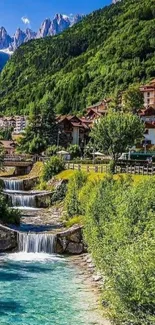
x=7, y=214
x=52, y=150
x=74, y=151
x=119, y=231
x=77, y=220
x=52, y=167
x=60, y=193
x=72, y=203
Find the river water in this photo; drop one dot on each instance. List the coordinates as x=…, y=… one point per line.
x=42, y=289
x=38, y=287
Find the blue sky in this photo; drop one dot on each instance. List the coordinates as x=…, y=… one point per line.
x=35, y=11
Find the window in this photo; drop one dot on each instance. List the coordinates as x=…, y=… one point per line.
x=148, y=101
x=148, y=94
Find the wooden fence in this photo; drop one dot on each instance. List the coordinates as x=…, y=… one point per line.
x=125, y=169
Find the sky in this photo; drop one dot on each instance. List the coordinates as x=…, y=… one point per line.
x=31, y=13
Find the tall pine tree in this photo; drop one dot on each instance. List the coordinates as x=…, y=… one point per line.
x=42, y=130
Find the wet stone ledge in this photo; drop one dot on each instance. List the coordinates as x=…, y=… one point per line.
x=70, y=241
x=8, y=239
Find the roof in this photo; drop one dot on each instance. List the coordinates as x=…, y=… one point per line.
x=102, y=102
x=7, y=144
x=149, y=111
x=150, y=85
x=149, y=125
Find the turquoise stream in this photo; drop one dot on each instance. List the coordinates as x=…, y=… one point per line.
x=41, y=289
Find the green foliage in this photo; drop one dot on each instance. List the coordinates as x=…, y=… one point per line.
x=119, y=222
x=6, y=133
x=41, y=131
x=133, y=100
x=52, y=150
x=107, y=51
x=7, y=214
x=116, y=132
x=52, y=167
x=119, y=230
x=2, y=154
x=74, y=151
x=72, y=202
x=59, y=193
x=77, y=220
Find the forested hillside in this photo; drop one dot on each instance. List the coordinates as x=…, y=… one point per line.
x=109, y=50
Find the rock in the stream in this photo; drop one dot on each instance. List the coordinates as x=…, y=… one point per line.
x=74, y=248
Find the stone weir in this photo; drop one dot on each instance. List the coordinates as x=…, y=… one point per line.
x=66, y=242
x=8, y=239
x=18, y=195
x=19, y=184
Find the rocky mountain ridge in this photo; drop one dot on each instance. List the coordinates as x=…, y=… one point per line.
x=48, y=28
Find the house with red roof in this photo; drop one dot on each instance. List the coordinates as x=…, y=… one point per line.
x=72, y=130
x=147, y=114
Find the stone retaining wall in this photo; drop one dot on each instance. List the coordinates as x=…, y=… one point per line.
x=67, y=242
x=29, y=183
x=8, y=239
x=70, y=241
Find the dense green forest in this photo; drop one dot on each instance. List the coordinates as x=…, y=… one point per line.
x=106, y=52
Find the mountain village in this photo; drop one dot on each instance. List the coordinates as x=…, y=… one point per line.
x=77, y=163
x=75, y=130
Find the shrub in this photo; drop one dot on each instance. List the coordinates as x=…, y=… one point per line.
x=72, y=203
x=52, y=167
x=74, y=151
x=52, y=150
x=119, y=231
x=7, y=214
x=77, y=220
x=60, y=193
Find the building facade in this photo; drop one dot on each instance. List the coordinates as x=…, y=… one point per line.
x=72, y=130
x=148, y=91
x=17, y=123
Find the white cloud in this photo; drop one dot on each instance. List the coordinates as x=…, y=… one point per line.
x=25, y=20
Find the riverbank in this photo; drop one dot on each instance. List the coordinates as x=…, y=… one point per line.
x=94, y=282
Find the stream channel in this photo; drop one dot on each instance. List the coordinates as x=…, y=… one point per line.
x=38, y=286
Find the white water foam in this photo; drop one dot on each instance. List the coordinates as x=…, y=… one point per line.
x=36, y=243
x=25, y=208
x=13, y=184
x=30, y=257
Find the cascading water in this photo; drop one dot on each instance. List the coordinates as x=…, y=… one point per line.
x=36, y=243
x=13, y=185
x=23, y=200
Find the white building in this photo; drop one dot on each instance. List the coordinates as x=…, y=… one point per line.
x=149, y=133
x=18, y=123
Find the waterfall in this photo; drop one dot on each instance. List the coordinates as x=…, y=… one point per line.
x=36, y=243
x=14, y=185
x=23, y=200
